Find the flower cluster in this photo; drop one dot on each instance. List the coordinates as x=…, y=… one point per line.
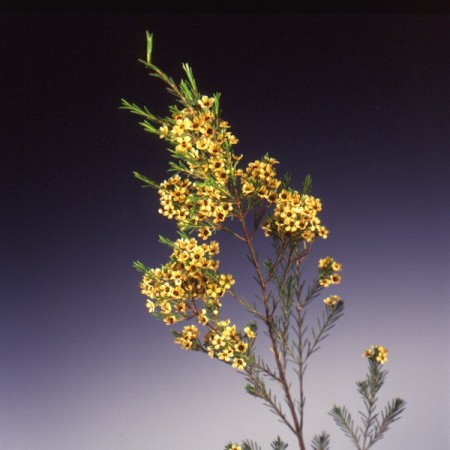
x=260, y=179
x=328, y=269
x=190, y=274
x=295, y=216
x=193, y=204
x=227, y=344
x=202, y=145
x=333, y=300
x=174, y=291
x=376, y=353
x=233, y=447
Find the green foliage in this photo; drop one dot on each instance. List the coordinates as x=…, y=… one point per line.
x=278, y=444
x=321, y=441
x=258, y=201
x=140, y=266
x=250, y=445
x=373, y=424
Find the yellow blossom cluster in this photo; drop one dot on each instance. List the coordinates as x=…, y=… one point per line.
x=328, y=269
x=333, y=300
x=295, y=216
x=226, y=343
x=188, y=337
x=193, y=204
x=260, y=179
x=190, y=274
x=175, y=290
x=377, y=353
x=203, y=145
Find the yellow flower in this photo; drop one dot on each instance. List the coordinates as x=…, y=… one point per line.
x=241, y=347
x=247, y=188
x=323, y=262
x=226, y=354
x=150, y=306
x=249, y=332
x=377, y=353
x=239, y=363
x=202, y=318
x=323, y=232
x=190, y=332
x=335, y=278
x=226, y=281
x=206, y=102
x=186, y=344
x=204, y=233
x=382, y=354
x=181, y=126
x=235, y=447
x=170, y=320
x=164, y=131
x=332, y=300
x=184, y=144
x=217, y=341
x=166, y=307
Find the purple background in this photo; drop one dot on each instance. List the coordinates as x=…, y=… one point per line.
x=359, y=102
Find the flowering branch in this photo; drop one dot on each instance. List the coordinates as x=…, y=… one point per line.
x=373, y=425
x=207, y=190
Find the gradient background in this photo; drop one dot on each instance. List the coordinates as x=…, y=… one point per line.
x=359, y=102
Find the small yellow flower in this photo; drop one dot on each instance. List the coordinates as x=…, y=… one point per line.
x=382, y=354
x=335, y=278
x=226, y=354
x=239, y=363
x=332, y=300
x=323, y=232
x=186, y=344
x=184, y=144
x=235, y=447
x=190, y=332
x=376, y=353
x=217, y=341
x=247, y=188
x=170, y=320
x=150, y=306
x=241, y=347
x=166, y=307
x=164, y=131
x=204, y=233
x=206, y=102
x=202, y=318
x=249, y=332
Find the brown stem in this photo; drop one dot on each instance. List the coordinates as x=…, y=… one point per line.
x=269, y=322
x=300, y=317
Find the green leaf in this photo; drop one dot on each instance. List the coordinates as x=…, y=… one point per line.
x=146, y=180
x=140, y=266
x=149, y=46
x=250, y=445
x=278, y=444
x=307, y=185
x=321, y=441
x=166, y=241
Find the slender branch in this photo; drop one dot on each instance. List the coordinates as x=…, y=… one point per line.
x=269, y=324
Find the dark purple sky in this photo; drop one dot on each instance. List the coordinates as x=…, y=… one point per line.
x=359, y=102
